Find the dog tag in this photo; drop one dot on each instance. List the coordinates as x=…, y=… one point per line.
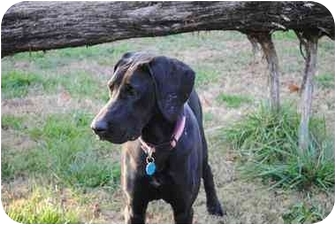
x=150, y=168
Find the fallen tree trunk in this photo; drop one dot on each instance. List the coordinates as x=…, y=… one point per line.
x=31, y=26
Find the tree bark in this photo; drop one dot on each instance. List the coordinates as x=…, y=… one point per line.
x=310, y=42
x=256, y=48
x=31, y=26
x=265, y=40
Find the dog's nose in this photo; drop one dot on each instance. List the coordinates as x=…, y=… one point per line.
x=99, y=126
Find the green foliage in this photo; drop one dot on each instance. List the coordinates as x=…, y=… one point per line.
x=51, y=60
x=28, y=162
x=233, y=101
x=325, y=80
x=41, y=208
x=268, y=143
x=12, y=122
x=16, y=83
x=7, y=170
x=52, y=147
x=89, y=170
x=72, y=153
x=205, y=76
x=80, y=83
x=303, y=213
x=284, y=35
x=67, y=149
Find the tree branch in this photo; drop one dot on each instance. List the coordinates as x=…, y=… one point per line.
x=31, y=26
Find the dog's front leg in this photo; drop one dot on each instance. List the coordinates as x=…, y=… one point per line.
x=182, y=214
x=135, y=212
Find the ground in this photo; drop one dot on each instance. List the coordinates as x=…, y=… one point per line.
x=51, y=160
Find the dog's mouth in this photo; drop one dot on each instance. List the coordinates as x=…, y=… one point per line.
x=120, y=139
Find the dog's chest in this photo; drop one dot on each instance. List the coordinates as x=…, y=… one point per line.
x=155, y=183
x=160, y=181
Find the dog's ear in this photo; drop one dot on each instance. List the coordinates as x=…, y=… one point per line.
x=124, y=59
x=174, y=82
x=122, y=62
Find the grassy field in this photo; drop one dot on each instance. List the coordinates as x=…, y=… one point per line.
x=54, y=170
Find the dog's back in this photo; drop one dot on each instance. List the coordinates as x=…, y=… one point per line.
x=195, y=105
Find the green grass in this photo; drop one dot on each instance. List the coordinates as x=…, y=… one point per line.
x=268, y=144
x=303, y=213
x=77, y=83
x=41, y=207
x=67, y=149
x=12, y=122
x=285, y=35
x=233, y=101
x=105, y=54
x=58, y=150
x=27, y=163
x=17, y=83
x=72, y=151
x=7, y=169
x=205, y=76
x=325, y=80
x=80, y=83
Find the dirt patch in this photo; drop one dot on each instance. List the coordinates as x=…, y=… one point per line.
x=47, y=104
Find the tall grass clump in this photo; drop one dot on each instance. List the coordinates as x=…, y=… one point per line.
x=268, y=144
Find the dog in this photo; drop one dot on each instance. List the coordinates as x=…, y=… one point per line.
x=155, y=112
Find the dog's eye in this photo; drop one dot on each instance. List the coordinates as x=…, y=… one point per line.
x=130, y=90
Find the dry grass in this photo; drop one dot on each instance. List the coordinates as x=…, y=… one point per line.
x=227, y=57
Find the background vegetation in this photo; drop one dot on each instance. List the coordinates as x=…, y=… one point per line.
x=53, y=170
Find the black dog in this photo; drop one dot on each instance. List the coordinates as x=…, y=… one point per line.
x=155, y=111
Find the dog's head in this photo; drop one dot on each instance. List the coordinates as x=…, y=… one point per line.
x=142, y=84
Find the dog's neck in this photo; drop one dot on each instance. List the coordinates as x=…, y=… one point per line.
x=158, y=130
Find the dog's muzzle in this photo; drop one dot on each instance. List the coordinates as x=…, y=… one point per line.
x=99, y=127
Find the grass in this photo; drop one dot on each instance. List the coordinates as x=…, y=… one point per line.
x=77, y=83
x=205, y=76
x=325, y=80
x=52, y=59
x=303, y=213
x=284, y=35
x=268, y=143
x=70, y=146
x=17, y=83
x=54, y=149
x=27, y=163
x=80, y=83
x=42, y=207
x=12, y=122
x=233, y=101
x=66, y=148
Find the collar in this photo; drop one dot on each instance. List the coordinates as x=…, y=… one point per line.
x=178, y=130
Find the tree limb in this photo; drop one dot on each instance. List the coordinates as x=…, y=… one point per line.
x=31, y=26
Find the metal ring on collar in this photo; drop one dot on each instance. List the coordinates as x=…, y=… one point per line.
x=149, y=159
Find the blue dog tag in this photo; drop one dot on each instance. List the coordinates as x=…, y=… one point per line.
x=150, y=168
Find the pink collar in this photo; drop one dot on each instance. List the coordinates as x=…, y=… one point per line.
x=178, y=130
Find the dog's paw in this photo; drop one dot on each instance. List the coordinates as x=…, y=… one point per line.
x=215, y=209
